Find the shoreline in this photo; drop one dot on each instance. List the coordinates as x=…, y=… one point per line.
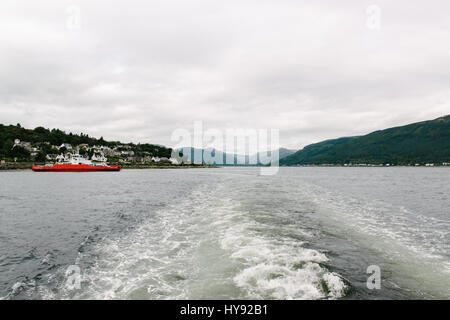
x=137, y=167
x=27, y=166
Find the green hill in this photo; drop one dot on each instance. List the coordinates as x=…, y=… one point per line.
x=421, y=142
x=55, y=137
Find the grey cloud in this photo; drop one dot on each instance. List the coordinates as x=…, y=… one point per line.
x=136, y=71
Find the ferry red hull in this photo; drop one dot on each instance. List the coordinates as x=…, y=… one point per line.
x=74, y=168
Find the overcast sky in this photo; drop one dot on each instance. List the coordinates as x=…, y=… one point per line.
x=137, y=70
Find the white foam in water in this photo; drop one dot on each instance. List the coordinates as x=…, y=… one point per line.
x=415, y=244
x=235, y=235
x=280, y=269
x=207, y=247
x=20, y=287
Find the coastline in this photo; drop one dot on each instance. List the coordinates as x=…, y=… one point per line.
x=133, y=167
x=14, y=166
x=27, y=166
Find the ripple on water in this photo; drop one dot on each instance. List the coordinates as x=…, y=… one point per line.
x=207, y=245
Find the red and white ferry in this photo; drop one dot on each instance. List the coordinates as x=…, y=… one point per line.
x=75, y=163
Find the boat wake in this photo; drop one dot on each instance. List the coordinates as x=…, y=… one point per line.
x=206, y=246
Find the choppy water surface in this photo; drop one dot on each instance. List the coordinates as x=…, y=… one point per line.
x=229, y=233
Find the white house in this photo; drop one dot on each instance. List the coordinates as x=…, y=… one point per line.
x=60, y=158
x=51, y=157
x=23, y=144
x=98, y=157
x=68, y=146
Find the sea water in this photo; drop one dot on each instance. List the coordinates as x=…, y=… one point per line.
x=226, y=233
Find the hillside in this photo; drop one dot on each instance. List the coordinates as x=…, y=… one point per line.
x=421, y=142
x=44, y=141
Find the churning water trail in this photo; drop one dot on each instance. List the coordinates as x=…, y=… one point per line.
x=206, y=246
x=306, y=233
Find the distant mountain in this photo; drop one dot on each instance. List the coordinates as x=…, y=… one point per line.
x=231, y=159
x=421, y=142
x=283, y=152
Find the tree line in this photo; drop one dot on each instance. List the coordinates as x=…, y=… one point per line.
x=47, y=139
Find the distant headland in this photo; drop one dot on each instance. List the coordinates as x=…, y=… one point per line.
x=21, y=147
x=424, y=143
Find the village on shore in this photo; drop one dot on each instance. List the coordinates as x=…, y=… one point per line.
x=126, y=155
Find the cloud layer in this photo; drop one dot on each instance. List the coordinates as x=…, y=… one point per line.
x=136, y=71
